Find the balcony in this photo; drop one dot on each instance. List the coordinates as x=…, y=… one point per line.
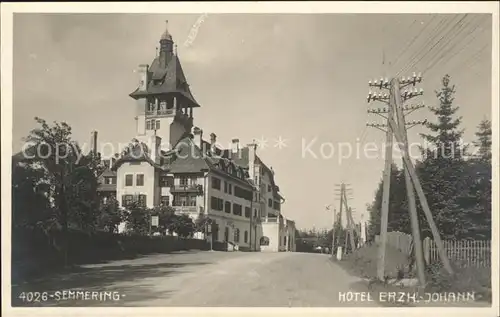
x=191, y=188
x=270, y=219
x=186, y=209
x=161, y=112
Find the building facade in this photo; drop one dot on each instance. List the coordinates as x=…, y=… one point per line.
x=169, y=162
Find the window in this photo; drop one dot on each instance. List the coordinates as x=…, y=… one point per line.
x=248, y=212
x=166, y=181
x=165, y=200
x=139, y=181
x=269, y=188
x=277, y=205
x=193, y=181
x=184, y=181
x=192, y=200
x=264, y=241
x=216, y=203
x=242, y=193
x=284, y=240
x=127, y=200
x=141, y=200
x=148, y=125
x=236, y=235
x=226, y=234
x=157, y=124
x=227, y=208
x=109, y=180
x=225, y=186
x=230, y=188
x=270, y=203
x=129, y=179
x=180, y=200
x=255, y=213
x=237, y=210
x=246, y=236
x=216, y=182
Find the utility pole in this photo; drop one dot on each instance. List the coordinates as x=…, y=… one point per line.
x=333, y=228
x=410, y=191
x=399, y=131
x=423, y=202
x=341, y=204
x=349, y=236
x=350, y=223
x=387, y=168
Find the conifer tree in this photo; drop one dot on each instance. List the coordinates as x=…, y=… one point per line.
x=443, y=168
x=479, y=192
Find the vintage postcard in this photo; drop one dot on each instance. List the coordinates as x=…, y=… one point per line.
x=250, y=158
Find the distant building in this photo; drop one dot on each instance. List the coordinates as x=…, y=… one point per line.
x=169, y=162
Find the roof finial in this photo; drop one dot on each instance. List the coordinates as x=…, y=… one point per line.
x=175, y=49
x=156, y=52
x=166, y=35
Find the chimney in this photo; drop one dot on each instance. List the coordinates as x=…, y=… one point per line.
x=198, y=137
x=155, y=149
x=235, y=146
x=93, y=142
x=252, y=150
x=213, y=139
x=143, y=77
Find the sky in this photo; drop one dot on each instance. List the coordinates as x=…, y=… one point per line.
x=302, y=79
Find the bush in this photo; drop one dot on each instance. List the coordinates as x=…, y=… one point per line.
x=468, y=279
x=34, y=252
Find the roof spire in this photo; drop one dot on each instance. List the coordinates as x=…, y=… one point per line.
x=166, y=35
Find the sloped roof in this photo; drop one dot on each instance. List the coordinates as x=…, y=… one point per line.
x=137, y=153
x=167, y=80
x=241, y=158
x=108, y=173
x=191, y=158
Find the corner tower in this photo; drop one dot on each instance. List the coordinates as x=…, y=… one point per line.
x=165, y=103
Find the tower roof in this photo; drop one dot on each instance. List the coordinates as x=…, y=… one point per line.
x=165, y=76
x=167, y=80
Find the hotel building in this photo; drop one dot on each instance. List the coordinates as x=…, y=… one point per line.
x=170, y=162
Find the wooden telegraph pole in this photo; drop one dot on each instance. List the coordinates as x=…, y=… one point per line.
x=387, y=171
x=410, y=191
x=341, y=204
x=333, y=228
x=399, y=131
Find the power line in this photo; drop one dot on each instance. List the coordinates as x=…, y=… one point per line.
x=409, y=44
x=468, y=43
x=414, y=60
x=457, y=27
x=444, y=54
x=439, y=27
x=470, y=61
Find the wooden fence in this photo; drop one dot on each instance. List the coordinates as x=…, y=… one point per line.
x=464, y=253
